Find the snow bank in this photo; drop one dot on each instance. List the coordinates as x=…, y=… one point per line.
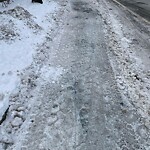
x=23, y=26
x=128, y=55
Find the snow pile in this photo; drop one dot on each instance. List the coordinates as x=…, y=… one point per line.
x=23, y=26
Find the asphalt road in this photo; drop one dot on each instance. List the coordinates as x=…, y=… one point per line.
x=84, y=110
x=141, y=7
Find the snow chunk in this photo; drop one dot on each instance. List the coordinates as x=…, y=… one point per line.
x=17, y=122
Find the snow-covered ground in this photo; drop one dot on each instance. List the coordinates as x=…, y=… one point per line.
x=127, y=36
x=27, y=31
x=23, y=26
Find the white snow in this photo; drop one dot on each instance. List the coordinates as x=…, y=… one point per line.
x=51, y=73
x=16, y=52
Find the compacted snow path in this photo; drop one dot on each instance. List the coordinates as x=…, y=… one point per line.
x=70, y=96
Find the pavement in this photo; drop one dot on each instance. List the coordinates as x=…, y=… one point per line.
x=141, y=7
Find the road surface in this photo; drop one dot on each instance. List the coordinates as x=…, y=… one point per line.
x=141, y=7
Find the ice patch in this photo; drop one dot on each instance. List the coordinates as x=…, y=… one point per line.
x=51, y=73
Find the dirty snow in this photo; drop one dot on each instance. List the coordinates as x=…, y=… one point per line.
x=128, y=51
